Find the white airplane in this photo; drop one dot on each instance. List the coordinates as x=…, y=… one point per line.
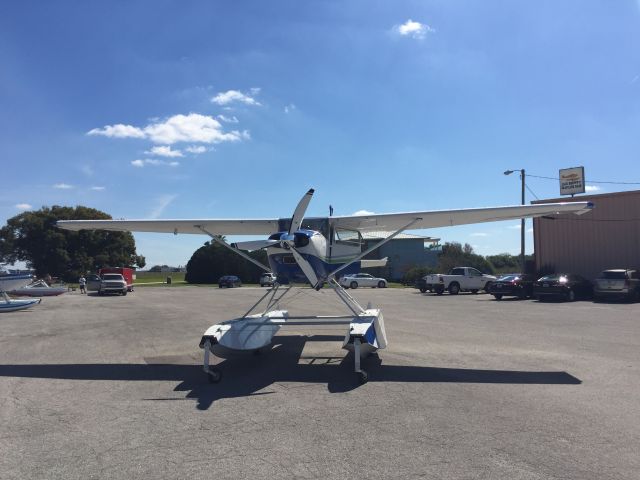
x=316, y=250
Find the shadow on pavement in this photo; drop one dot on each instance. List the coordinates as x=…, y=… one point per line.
x=252, y=374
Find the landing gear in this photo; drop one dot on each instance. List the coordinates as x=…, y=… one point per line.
x=214, y=375
x=363, y=377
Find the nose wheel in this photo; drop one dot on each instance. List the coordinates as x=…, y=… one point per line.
x=214, y=375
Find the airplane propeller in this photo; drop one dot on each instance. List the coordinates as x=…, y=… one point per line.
x=287, y=241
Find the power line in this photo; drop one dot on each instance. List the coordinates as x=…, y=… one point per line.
x=531, y=191
x=590, y=181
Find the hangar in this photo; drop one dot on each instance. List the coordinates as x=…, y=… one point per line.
x=607, y=237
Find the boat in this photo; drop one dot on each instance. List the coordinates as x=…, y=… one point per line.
x=38, y=288
x=11, y=281
x=9, y=305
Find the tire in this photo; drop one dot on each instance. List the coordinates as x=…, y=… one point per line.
x=354, y=285
x=439, y=290
x=474, y=291
x=571, y=296
x=498, y=296
x=124, y=292
x=381, y=284
x=423, y=289
x=487, y=286
x=454, y=288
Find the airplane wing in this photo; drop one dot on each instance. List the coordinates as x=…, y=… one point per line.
x=215, y=227
x=448, y=218
x=386, y=222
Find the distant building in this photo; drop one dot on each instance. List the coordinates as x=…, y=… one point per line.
x=606, y=237
x=403, y=252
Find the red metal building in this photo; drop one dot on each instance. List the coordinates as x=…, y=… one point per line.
x=606, y=237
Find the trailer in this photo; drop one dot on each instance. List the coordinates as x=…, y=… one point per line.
x=128, y=273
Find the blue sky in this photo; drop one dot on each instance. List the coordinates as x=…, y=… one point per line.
x=210, y=109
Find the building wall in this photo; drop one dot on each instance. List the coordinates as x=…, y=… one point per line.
x=403, y=254
x=606, y=237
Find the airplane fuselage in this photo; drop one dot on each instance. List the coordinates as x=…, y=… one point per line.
x=324, y=256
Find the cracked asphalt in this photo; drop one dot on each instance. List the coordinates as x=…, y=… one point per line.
x=469, y=388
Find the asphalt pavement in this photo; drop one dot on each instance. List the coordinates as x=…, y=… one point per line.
x=469, y=388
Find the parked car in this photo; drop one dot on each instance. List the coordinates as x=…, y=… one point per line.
x=112, y=283
x=567, y=286
x=362, y=280
x=421, y=284
x=229, y=281
x=617, y=283
x=513, y=285
x=267, y=279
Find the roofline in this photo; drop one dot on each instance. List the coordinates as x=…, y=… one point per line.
x=583, y=198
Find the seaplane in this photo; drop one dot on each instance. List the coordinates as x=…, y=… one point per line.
x=10, y=282
x=317, y=251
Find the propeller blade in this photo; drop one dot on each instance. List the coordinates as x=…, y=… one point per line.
x=255, y=244
x=298, y=213
x=306, y=267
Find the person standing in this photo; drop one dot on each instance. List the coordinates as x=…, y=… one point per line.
x=83, y=283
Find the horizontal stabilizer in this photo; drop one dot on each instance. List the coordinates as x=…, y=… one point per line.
x=374, y=263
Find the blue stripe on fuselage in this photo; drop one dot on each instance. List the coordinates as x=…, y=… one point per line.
x=291, y=272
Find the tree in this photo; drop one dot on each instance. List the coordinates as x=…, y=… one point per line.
x=33, y=238
x=455, y=255
x=212, y=261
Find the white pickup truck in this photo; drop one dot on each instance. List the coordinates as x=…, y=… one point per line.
x=459, y=279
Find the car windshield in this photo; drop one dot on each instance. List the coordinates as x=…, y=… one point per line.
x=613, y=275
x=112, y=276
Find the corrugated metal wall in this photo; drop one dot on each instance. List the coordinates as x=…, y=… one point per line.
x=607, y=237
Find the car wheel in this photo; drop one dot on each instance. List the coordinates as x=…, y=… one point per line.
x=570, y=296
x=381, y=284
x=474, y=291
x=423, y=289
x=498, y=296
x=124, y=292
x=487, y=286
x=439, y=290
x=354, y=285
x=454, y=289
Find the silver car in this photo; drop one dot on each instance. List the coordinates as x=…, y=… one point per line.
x=362, y=280
x=617, y=283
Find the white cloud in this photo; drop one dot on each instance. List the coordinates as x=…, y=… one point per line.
x=23, y=206
x=118, y=131
x=362, y=213
x=289, y=108
x=97, y=188
x=164, y=151
x=62, y=186
x=226, y=119
x=592, y=188
x=178, y=128
x=196, y=149
x=414, y=29
x=231, y=96
x=153, y=162
x=162, y=202
x=479, y=234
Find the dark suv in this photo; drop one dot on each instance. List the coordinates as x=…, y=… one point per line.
x=617, y=283
x=229, y=281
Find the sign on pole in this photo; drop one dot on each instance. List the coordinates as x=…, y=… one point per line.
x=572, y=180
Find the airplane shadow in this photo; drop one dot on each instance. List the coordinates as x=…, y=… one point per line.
x=252, y=374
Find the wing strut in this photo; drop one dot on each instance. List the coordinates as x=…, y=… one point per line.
x=235, y=250
x=371, y=249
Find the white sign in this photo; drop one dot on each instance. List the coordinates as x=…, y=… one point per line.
x=572, y=181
